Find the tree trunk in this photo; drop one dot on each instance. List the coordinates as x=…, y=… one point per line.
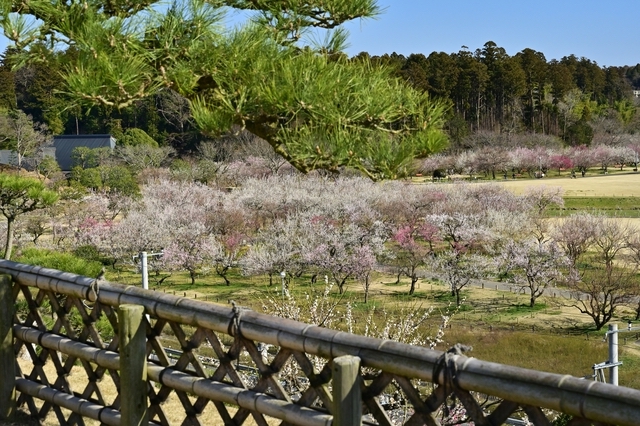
x=532, y=301
x=192, y=274
x=226, y=280
x=222, y=272
x=341, y=285
x=366, y=289
x=9, y=245
x=412, y=289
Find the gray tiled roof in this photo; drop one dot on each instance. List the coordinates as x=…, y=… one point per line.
x=65, y=144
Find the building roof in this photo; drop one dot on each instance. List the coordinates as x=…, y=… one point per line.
x=65, y=144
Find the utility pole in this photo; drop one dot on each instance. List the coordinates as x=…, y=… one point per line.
x=143, y=266
x=613, y=354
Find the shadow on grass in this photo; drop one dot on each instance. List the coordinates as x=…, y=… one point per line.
x=21, y=419
x=525, y=308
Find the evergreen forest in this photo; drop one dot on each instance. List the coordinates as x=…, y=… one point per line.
x=491, y=96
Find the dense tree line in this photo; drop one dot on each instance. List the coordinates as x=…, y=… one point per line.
x=36, y=89
x=529, y=160
x=490, y=91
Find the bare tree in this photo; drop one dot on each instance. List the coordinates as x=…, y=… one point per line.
x=141, y=157
x=575, y=235
x=600, y=278
x=249, y=145
x=600, y=293
x=24, y=136
x=175, y=109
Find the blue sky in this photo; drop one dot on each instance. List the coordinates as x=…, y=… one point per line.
x=602, y=31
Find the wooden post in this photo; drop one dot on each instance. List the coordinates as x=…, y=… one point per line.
x=347, y=399
x=7, y=356
x=133, y=366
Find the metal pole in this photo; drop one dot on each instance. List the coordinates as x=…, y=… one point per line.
x=283, y=275
x=145, y=272
x=613, y=353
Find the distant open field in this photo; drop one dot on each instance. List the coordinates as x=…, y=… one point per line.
x=618, y=185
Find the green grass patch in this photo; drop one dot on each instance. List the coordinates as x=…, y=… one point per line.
x=573, y=355
x=359, y=307
x=447, y=297
x=610, y=206
x=525, y=309
x=629, y=371
x=395, y=283
x=61, y=261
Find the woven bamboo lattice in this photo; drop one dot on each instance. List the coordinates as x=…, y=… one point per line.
x=215, y=357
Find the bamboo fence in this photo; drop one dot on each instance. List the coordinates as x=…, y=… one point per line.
x=236, y=337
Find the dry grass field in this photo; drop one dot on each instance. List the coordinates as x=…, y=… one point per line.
x=620, y=185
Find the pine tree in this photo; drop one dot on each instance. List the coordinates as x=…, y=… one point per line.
x=316, y=108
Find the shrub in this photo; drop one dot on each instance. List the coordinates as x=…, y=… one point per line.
x=88, y=252
x=136, y=137
x=60, y=261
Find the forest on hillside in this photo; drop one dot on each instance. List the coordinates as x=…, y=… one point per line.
x=491, y=96
x=490, y=91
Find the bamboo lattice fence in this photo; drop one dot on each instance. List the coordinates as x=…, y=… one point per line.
x=214, y=357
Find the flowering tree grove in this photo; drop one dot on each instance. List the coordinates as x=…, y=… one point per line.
x=534, y=265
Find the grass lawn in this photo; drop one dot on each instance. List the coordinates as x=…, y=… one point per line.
x=593, y=185
x=622, y=207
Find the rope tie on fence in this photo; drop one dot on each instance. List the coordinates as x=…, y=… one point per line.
x=94, y=289
x=447, y=366
x=234, y=325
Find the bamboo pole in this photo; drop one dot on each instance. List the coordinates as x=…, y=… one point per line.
x=7, y=355
x=50, y=279
x=347, y=397
x=133, y=366
x=85, y=408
